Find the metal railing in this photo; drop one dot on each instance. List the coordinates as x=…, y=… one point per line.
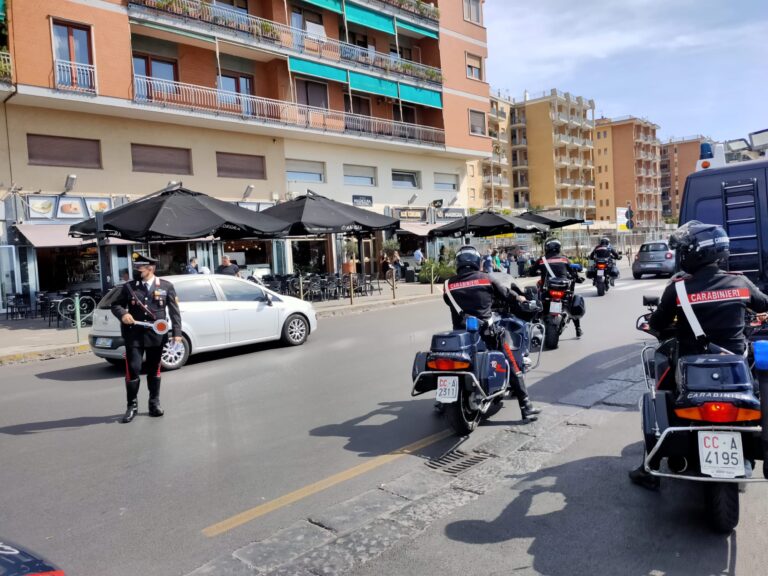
x=6, y=68
x=500, y=159
x=519, y=163
x=163, y=93
x=268, y=33
x=516, y=120
x=415, y=7
x=520, y=142
x=75, y=76
x=499, y=113
x=496, y=180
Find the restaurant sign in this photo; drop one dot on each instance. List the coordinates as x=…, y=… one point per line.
x=450, y=213
x=411, y=213
x=364, y=201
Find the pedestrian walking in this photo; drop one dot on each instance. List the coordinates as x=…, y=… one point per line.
x=227, y=267
x=397, y=265
x=521, y=259
x=148, y=299
x=418, y=257
x=504, y=262
x=192, y=267
x=487, y=263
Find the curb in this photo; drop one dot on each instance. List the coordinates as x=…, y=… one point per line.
x=47, y=354
x=338, y=311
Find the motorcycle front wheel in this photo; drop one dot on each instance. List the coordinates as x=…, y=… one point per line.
x=723, y=506
x=552, y=326
x=462, y=419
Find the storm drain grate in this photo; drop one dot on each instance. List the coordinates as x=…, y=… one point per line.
x=455, y=462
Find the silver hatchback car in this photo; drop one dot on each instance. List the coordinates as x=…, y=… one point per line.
x=217, y=312
x=654, y=258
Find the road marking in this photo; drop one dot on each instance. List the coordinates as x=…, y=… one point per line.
x=249, y=515
x=616, y=361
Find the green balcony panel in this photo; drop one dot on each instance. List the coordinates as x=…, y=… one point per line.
x=2, y=10
x=369, y=18
x=315, y=69
x=333, y=5
x=372, y=85
x=418, y=29
x=423, y=96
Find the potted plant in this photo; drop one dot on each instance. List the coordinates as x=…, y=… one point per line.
x=351, y=254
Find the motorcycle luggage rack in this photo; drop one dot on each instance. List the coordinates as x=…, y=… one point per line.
x=673, y=429
x=533, y=329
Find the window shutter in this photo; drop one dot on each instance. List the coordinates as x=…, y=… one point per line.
x=162, y=159
x=45, y=150
x=362, y=171
x=240, y=166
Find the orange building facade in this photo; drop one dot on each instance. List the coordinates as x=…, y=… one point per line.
x=678, y=160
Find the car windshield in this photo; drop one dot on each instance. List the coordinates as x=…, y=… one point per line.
x=109, y=299
x=654, y=247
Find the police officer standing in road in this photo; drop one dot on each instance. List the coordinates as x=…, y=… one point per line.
x=145, y=299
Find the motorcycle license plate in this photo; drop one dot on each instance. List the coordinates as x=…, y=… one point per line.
x=600, y=272
x=103, y=343
x=555, y=307
x=721, y=454
x=447, y=389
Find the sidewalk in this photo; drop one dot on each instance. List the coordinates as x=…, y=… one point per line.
x=28, y=340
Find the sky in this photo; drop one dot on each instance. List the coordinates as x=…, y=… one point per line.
x=692, y=67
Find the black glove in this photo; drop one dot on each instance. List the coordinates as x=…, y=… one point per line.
x=579, y=279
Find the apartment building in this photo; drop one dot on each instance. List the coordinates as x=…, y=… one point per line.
x=377, y=103
x=551, y=153
x=489, y=178
x=627, y=172
x=678, y=160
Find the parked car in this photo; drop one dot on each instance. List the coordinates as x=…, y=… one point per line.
x=17, y=561
x=654, y=258
x=217, y=311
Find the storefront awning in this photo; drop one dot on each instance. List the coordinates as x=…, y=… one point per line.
x=57, y=236
x=417, y=228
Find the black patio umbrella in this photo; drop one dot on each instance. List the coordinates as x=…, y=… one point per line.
x=487, y=223
x=551, y=221
x=313, y=214
x=176, y=213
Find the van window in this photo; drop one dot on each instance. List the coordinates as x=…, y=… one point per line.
x=197, y=290
x=709, y=210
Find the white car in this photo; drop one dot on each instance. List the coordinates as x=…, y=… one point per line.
x=217, y=311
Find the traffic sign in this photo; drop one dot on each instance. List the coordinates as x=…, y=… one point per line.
x=629, y=213
x=630, y=224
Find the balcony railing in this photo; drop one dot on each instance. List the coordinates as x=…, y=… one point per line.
x=499, y=113
x=519, y=163
x=271, y=35
x=520, y=142
x=495, y=180
x=6, y=69
x=516, y=120
x=415, y=7
x=500, y=159
x=163, y=93
x=75, y=76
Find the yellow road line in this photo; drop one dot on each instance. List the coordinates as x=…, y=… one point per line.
x=245, y=517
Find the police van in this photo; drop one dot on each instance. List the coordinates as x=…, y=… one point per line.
x=733, y=196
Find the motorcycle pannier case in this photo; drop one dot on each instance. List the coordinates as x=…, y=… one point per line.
x=454, y=341
x=578, y=307
x=492, y=371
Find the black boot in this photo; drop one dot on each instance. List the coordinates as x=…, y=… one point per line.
x=153, y=383
x=131, y=392
x=579, y=331
x=517, y=385
x=528, y=410
x=642, y=478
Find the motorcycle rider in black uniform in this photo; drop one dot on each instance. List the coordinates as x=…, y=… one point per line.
x=719, y=300
x=605, y=250
x=561, y=268
x=475, y=292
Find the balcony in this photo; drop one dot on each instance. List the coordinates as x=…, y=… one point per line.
x=489, y=180
x=517, y=120
x=562, y=139
x=499, y=113
x=75, y=77
x=519, y=164
x=414, y=8
x=590, y=203
x=519, y=143
x=273, y=36
x=500, y=159
x=6, y=68
x=519, y=186
x=264, y=111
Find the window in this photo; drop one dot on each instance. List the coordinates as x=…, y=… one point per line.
x=162, y=73
x=359, y=175
x=474, y=67
x=74, y=56
x=357, y=105
x=241, y=5
x=598, y=135
x=605, y=150
x=403, y=179
x=477, y=123
x=472, y=11
x=304, y=171
x=599, y=169
x=312, y=93
x=197, y=290
x=471, y=170
x=239, y=291
x=600, y=186
x=605, y=133
x=601, y=203
x=654, y=247
x=62, y=151
x=240, y=166
x=408, y=115
x=446, y=182
x=472, y=193
x=606, y=185
x=162, y=159
x=598, y=151
x=607, y=200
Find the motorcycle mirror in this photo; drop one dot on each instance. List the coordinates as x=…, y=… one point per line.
x=651, y=300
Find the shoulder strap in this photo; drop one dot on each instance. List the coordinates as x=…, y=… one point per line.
x=682, y=295
x=452, y=300
x=548, y=267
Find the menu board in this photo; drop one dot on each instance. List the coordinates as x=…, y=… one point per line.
x=97, y=205
x=41, y=206
x=70, y=208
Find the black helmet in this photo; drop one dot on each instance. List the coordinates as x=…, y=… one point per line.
x=468, y=258
x=552, y=247
x=605, y=242
x=699, y=244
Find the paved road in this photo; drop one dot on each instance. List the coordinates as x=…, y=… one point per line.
x=242, y=430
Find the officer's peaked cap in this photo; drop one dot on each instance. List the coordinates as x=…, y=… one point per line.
x=141, y=260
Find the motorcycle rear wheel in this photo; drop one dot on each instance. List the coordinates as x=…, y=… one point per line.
x=723, y=506
x=462, y=419
x=552, y=326
x=600, y=287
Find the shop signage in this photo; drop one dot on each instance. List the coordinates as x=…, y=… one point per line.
x=450, y=213
x=365, y=201
x=65, y=207
x=411, y=213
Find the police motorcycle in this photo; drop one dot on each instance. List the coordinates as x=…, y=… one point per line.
x=560, y=305
x=469, y=378
x=603, y=274
x=703, y=415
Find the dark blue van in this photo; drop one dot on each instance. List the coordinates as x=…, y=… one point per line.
x=735, y=197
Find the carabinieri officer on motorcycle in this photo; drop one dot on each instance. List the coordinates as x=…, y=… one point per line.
x=719, y=300
x=145, y=300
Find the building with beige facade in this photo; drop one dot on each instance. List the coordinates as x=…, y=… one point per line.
x=678, y=160
x=489, y=178
x=377, y=103
x=627, y=173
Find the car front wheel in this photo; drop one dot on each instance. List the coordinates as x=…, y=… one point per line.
x=295, y=330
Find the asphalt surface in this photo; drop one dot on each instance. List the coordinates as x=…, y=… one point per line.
x=244, y=428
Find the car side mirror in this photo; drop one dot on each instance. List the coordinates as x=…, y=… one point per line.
x=651, y=300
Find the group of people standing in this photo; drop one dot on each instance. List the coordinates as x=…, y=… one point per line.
x=506, y=261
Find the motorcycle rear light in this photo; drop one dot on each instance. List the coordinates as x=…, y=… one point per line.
x=446, y=364
x=601, y=266
x=669, y=255
x=557, y=294
x=719, y=412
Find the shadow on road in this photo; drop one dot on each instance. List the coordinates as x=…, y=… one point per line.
x=584, y=517
x=67, y=423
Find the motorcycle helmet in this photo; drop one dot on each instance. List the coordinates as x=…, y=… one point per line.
x=468, y=258
x=699, y=244
x=605, y=242
x=552, y=247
